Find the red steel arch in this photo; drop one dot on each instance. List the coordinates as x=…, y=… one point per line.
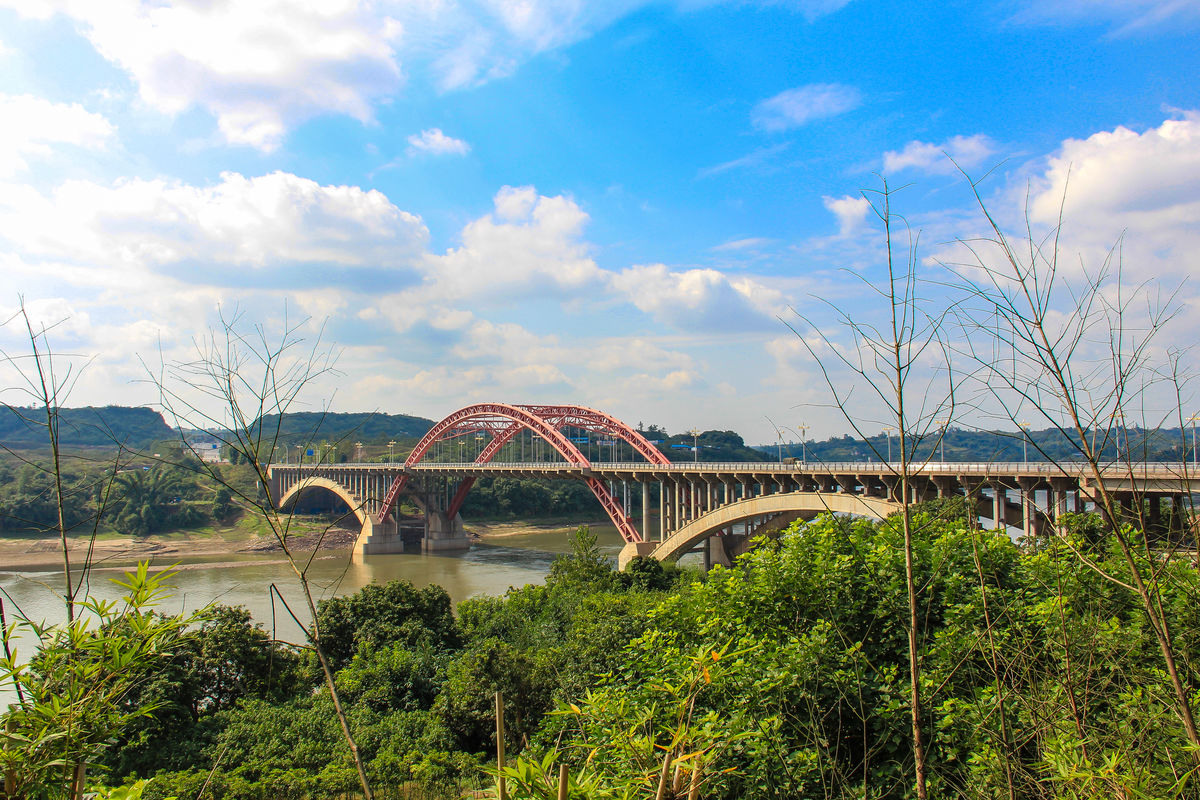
x=504, y=421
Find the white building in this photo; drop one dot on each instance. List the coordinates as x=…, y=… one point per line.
x=207, y=451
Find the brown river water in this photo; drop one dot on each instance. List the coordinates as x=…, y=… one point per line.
x=490, y=567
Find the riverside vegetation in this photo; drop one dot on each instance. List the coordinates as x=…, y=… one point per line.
x=783, y=676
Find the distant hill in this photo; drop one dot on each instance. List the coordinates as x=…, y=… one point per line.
x=1167, y=444
x=91, y=426
x=308, y=427
x=708, y=446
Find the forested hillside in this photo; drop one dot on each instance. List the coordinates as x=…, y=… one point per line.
x=92, y=426
x=959, y=444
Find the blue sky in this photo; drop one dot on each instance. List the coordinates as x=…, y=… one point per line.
x=603, y=203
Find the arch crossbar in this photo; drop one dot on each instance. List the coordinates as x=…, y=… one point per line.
x=590, y=419
x=504, y=421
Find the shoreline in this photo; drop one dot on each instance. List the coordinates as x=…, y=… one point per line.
x=43, y=553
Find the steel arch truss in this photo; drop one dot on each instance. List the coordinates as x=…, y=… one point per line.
x=503, y=422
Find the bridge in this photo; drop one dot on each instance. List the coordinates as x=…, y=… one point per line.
x=663, y=509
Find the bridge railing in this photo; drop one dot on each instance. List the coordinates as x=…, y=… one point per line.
x=1159, y=469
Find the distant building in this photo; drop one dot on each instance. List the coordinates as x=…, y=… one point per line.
x=207, y=451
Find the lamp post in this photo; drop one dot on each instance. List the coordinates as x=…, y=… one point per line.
x=1024, y=442
x=695, y=432
x=887, y=431
x=803, y=444
x=391, y=444
x=778, y=437
x=942, y=439
x=299, y=455
x=358, y=452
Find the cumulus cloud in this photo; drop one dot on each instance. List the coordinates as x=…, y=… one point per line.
x=968, y=151
x=257, y=67
x=34, y=126
x=796, y=107
x=290, y=231
x=1146, y=185
x=262, y=67
x=850, y=211
x=433, y=141
x=528, y=242
x=698, y=299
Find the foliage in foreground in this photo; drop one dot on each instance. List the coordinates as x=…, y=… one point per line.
x=784, y=676
x=72, y=696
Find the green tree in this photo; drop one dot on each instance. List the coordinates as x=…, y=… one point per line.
x=72, y=695
x=377, y=617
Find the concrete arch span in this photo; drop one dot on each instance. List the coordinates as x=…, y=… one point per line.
x=316, y=482
x=797, y=505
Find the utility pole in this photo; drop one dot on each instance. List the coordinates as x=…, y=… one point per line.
x=1192, y=419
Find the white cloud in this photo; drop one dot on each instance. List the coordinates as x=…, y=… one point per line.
x=1128, y=16
x=273, y=230
x=528, y=243
x=755, y=158
x=1145, y=185
x=698, y=299
x=796, y=107
x=432, y=140
x=968, y=151
x=749, y=243
x=258, y=67
x=850, y=211
x=33, y=126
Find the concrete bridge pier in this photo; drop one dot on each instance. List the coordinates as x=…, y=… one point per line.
x=443, y=534
x=378, y=537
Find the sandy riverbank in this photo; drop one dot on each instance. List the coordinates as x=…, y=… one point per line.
x=38, y=553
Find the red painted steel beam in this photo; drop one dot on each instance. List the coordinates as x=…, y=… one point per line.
x=505, y=421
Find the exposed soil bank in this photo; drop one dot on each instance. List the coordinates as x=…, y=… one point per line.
x=38, y=553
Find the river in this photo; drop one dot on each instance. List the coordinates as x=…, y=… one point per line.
x=490, y=567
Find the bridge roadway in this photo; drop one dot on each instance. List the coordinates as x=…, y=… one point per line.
x=723, y=505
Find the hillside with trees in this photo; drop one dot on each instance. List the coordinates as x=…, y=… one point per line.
x=91, y=426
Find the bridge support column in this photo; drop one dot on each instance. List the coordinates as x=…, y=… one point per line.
x=1028, y=505
x=646, y=511
x=632, y=550
x=444, y=534
x=377, y=538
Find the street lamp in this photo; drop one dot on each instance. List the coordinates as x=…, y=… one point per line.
x=391, y=444
x=695, y=432
x=1024, y=442
x=942, y=439
x=779, y=437
x=358, y=451
x=887, y=431
x=803, y=445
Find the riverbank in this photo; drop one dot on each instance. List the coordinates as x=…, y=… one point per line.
x=25, y=553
